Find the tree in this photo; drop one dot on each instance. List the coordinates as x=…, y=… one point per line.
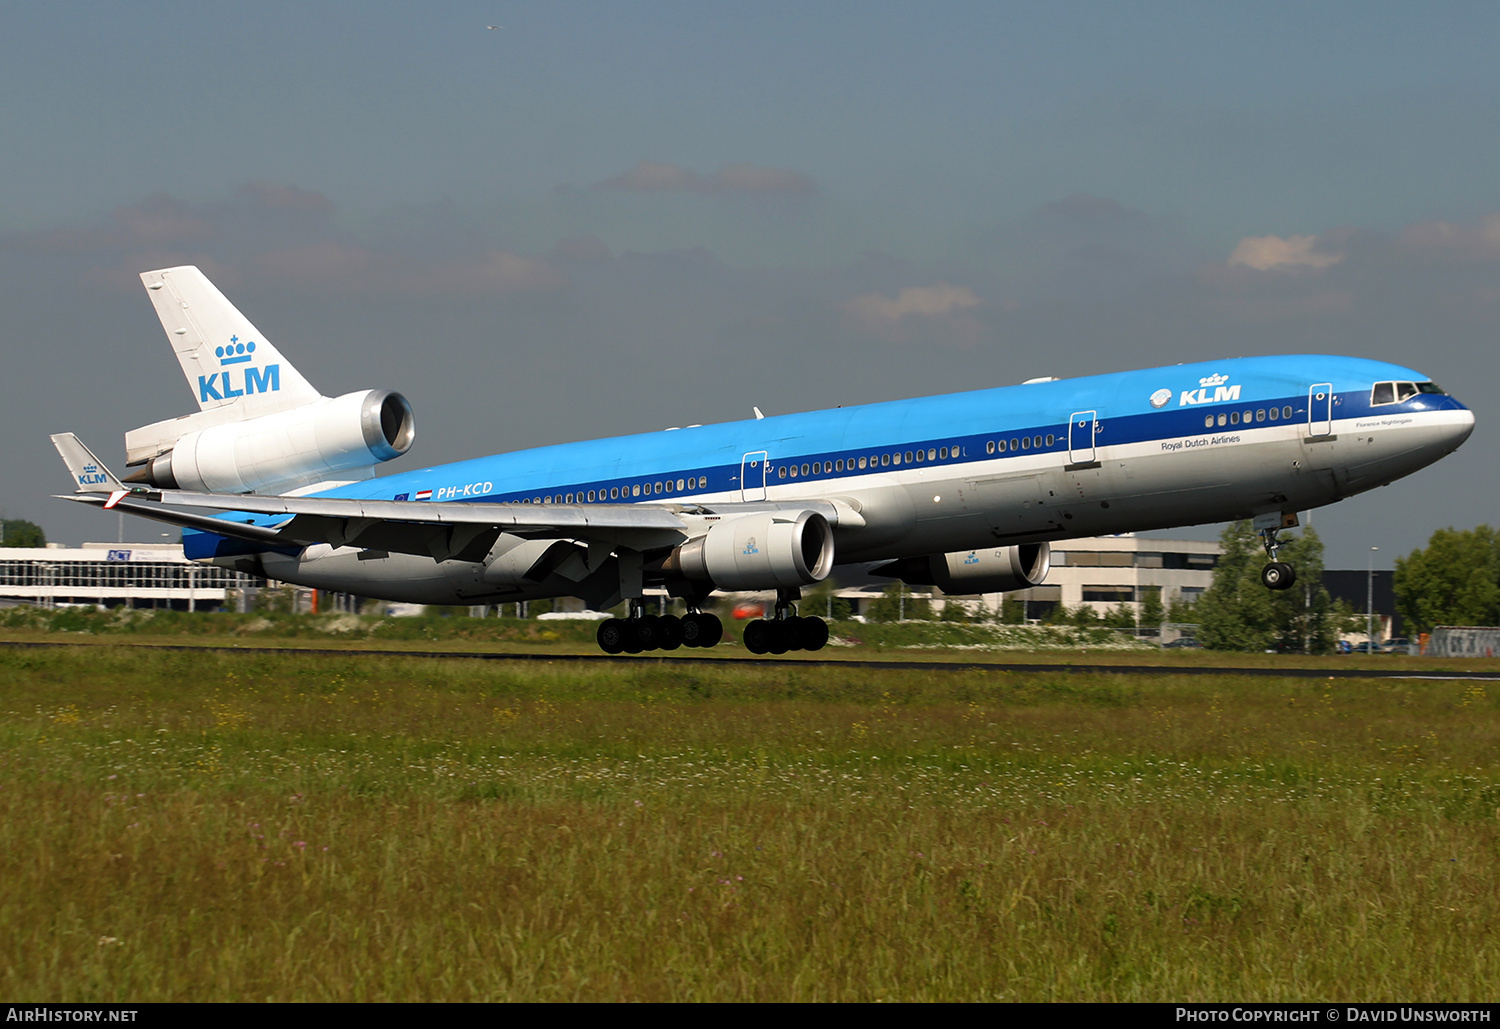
x=1152, y=612
x=896, y=603
x=21, y=533
x=1237, y=612
x=1454, y=581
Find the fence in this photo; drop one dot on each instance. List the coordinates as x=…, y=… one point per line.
x=1463, y=641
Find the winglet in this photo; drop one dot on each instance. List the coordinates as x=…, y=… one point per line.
x=89, y=473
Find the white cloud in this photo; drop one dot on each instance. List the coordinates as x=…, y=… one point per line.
x=740, y=177
x=938, y=300
x=1289, y=253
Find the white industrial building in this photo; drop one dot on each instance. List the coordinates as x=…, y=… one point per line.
x=114, y=574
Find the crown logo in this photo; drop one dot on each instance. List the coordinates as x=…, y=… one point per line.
x=90, y=469
x=1213, y=380
x=235, y=352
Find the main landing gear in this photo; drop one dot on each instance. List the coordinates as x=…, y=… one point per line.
x=1278, y=575
x=641, y=632
x=785, y=632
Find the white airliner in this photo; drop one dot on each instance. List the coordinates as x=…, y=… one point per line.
x=963, y=491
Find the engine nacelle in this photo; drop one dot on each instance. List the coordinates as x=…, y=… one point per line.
x=288, y=449
x=764, y=551
x=976, y=571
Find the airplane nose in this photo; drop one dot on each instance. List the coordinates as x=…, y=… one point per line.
x=1459, y=426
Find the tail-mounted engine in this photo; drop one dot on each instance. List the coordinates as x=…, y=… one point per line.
x=975, y=571
x=281, y=451
x=764, y=551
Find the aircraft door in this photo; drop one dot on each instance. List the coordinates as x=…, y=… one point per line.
x=753, y=475
x=1082, y=427
x=1320, y=409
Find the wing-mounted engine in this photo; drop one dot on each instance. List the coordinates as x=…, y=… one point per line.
x=762, y=551
x=975, y=571
x=328, y=438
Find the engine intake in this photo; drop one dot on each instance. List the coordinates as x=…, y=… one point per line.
x=769, y=550
x=288, y=449
x=975, y=571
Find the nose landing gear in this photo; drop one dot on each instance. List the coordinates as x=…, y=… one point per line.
x=1278, y=575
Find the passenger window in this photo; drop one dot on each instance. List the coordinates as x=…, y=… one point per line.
x=861, y=462
x=838, y=465
x=989, y=448
x=1208, y=422
x=1234, y=418
x=895, y=459
x=1286, y=412
x=1222, y=420
x=635, y=490
x=885, y=459
x=614, y=493
x=1275, y=413
x=908, y=457
x=1026, y=443
x=591, y=496
x=794, y=471
x=1260, y=415
x=804, y=469
x=943, y=454
x=1013, y=443
x=1051, y=439
x=680, y=486
x=703, y=482
x=921, y=455
x=1002, y=446
x=1037, y=442
x=931, y=455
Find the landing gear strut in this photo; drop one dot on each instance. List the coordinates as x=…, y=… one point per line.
x=641, y=632
x=1278, y=575
x=786, y=631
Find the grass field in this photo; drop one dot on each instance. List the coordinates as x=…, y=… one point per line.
x=242, y=826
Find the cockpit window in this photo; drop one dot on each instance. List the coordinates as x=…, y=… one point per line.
x=1396, y=392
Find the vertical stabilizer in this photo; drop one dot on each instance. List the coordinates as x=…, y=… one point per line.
x=225, y=358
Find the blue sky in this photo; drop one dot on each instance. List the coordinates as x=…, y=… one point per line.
x=602, y=218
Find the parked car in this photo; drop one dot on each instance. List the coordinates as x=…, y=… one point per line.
x=1182, y=644
x=1399, y=645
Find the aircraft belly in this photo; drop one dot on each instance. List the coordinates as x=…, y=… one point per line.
x=398, y=577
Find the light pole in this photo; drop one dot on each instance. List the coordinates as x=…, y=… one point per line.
x=1370, y=602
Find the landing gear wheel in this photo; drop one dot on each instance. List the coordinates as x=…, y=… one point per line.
x=701, y=630
x=778, y=637
x=647, y=632
x=755, y=638
x=812, y=634
x=669, y=632
x=792, y=628
x=1278, y=575
x=630, y=635
x=611, y=636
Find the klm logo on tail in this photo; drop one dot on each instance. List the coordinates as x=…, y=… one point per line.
x=252, y=380
x=92, y=476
